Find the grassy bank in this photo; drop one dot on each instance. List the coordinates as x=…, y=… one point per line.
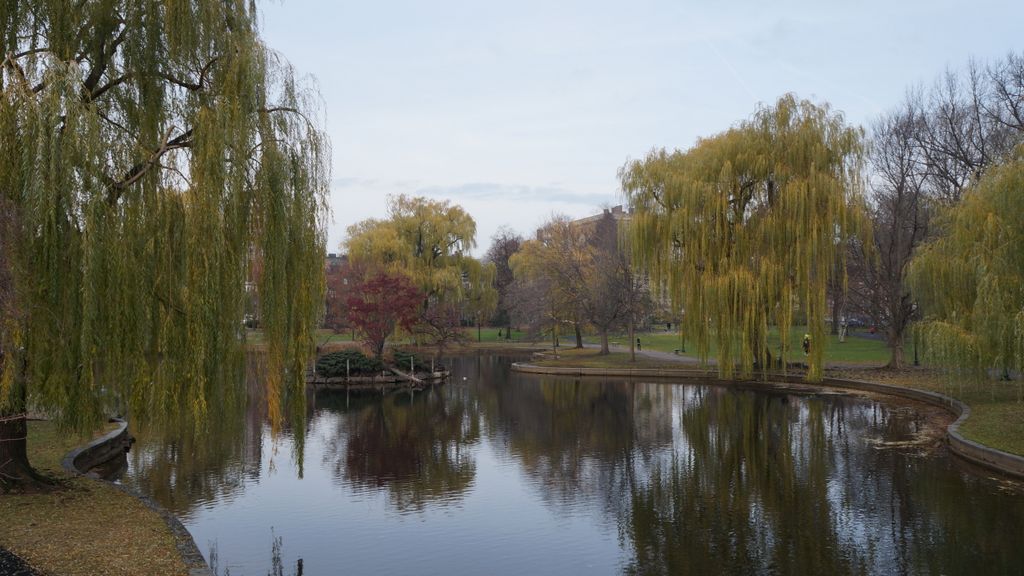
x=997, y=408
x=856, y=350
x=589, y=358
x=85, y=528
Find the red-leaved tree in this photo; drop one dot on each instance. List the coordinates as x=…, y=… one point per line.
x=380, y=305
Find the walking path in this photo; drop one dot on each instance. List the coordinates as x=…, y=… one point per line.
x=654, y=354
x=11, y=565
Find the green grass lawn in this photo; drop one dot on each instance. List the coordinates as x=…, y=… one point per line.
x=490, y=334
x=855, y=350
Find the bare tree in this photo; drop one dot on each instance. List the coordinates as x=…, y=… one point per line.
x=504, y=244
x=966, y=123
x=925, y=154
x=614, y=294
x=604, y=280
x=900, y=215
x=1005, y=102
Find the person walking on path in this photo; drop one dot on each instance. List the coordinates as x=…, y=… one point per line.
x=638, y=347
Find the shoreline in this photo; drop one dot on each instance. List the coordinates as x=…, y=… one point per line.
x=991, y=458
x=79, y=462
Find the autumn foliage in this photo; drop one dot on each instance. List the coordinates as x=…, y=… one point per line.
x=380, y=305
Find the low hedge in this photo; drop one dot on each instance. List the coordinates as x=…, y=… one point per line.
x=333, y=365
x=420, y=361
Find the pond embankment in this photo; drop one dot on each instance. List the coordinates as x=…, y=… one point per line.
x=975, y=452
x=86, y=526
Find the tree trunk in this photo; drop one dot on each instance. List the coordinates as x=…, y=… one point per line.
x=16, y=474
x=508, y=331
x=604, y=343
x=579, y=335
x=632, y=342
x=15, y=471
x=896, y=346
x=836, y=307
x=478, y=338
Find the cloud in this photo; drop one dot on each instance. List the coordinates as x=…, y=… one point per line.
x=519, y=192
x=392, y=185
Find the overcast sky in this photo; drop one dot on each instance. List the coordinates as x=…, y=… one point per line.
x=520, y=109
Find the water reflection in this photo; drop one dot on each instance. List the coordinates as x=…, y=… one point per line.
x=414, y=445
x=589, y=476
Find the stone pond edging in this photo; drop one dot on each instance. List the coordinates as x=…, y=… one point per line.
x=79, y=461
x=1005, y=462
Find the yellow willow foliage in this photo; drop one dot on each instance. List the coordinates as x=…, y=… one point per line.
x=970, y=280
x=428, y=241
x=744, y=230
x=157, y=157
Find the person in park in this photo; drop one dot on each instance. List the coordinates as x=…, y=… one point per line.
x=807, y=344
x=638, y=347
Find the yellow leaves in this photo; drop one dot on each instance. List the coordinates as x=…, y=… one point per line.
x=774, y=198
x=149, y=214
x=428, y=241
x=971, y=278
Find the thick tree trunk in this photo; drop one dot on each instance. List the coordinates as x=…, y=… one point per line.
x=579, y=335
x=16, y=474
x=13, y=454
x=604, y=343
x=896, y=348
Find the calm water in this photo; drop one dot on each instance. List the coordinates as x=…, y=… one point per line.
x=500, y=473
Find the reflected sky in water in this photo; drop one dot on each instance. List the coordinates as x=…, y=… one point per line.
x=500, y=473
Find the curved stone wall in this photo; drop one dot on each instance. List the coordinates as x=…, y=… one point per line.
x=1010, y=464
x=112, y=445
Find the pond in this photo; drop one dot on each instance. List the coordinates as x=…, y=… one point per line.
x=505, y=473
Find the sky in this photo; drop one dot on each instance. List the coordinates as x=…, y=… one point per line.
x=518, y=110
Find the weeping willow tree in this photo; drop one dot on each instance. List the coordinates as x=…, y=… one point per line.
x=157, y=158
x=744, y=230
x=970, y=279
x=429, y=242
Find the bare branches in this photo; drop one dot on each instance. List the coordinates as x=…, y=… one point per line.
x=136, y=172
x=95, y=94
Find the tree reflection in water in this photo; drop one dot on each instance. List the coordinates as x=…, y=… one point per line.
x=185, y=464
x=710, y=479
x=277, y=563
x=693, y=479
x=414, y=445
